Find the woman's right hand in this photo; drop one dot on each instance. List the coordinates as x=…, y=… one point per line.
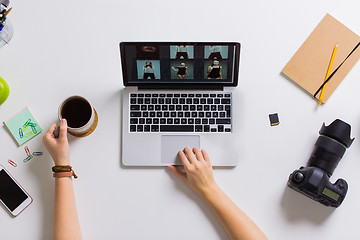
x=199, y=176
x=58, y=147
x=198, y=171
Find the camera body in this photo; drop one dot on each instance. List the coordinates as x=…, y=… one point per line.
x=314, y=179
x=315, y=183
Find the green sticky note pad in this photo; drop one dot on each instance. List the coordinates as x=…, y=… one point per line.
x=23, y=126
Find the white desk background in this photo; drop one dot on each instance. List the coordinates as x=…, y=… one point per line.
x=61, y=48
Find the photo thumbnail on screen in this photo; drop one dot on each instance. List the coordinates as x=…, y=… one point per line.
x=182, y=69
x=148, y=69
x=147, y=52
x=215, y=69
x=216, y=52
x=181, y=52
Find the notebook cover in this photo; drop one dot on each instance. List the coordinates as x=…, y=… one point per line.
x=309, y=65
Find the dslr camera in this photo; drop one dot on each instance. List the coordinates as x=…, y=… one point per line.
x=314, y=179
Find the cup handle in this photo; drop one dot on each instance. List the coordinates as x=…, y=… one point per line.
x=56, y=132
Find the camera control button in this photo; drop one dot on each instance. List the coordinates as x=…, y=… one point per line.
x=298, y=177
x=341, y=184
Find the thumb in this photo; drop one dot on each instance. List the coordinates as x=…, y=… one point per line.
x=178, y=173
x=63, y=128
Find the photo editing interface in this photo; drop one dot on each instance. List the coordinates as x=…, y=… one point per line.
x=167, y=63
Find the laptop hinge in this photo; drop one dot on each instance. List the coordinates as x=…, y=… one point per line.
x=182, y=87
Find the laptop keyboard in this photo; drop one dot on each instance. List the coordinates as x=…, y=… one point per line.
x=188, y=112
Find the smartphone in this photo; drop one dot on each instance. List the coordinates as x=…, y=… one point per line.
x=12, y=195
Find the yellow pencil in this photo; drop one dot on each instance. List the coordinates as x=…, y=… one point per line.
x=328, y=73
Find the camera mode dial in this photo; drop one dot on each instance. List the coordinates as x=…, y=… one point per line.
x=298, y=177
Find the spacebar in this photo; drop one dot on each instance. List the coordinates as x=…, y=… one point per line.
x=176, y=128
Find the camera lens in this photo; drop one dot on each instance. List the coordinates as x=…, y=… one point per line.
x=326, y=154
x=339, y=131
x=331, y=146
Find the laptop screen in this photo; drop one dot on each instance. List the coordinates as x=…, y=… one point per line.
x=179, y=63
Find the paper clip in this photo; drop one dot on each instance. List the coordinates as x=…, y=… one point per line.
x=28, y=158
x=32, y=124
x=27, y=122
x=21, y=133
x=37, y=153
x=27, y=151
x=12, y=163
x=24, y=128
x=33, y=128
x=29, y=134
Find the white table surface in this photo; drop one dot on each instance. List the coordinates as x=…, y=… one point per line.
x=62, y=48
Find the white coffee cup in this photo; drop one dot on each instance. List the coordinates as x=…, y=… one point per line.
x=80, y=115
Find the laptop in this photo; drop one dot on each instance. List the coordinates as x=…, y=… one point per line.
x=177, y=95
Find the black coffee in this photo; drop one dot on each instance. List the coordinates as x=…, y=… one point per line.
x=77, y=112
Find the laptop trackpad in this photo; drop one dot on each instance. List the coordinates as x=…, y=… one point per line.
x=171, y=144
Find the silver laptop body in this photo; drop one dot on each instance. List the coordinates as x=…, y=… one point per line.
x=179, y=95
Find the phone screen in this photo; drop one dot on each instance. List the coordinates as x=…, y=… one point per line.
x=10, y=193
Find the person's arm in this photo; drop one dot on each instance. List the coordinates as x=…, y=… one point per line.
x=66, y=222
x=199, y=176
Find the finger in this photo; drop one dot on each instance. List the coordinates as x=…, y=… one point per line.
x=52, y=129
x=63, y=129
x=48, y=136
x=177, y=172
x=190, y=155
x=206, y=156
x=198, y=154
x=184, y=159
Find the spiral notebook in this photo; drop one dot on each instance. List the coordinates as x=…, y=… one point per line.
x=308, y=67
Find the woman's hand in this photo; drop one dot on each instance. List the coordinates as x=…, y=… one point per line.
x=58, y=147
x=198, y=171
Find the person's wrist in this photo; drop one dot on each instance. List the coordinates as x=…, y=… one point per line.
x=62, y=161
x=208, y=192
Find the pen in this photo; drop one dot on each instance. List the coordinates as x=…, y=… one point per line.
x=8, y=11
x=328, y=73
